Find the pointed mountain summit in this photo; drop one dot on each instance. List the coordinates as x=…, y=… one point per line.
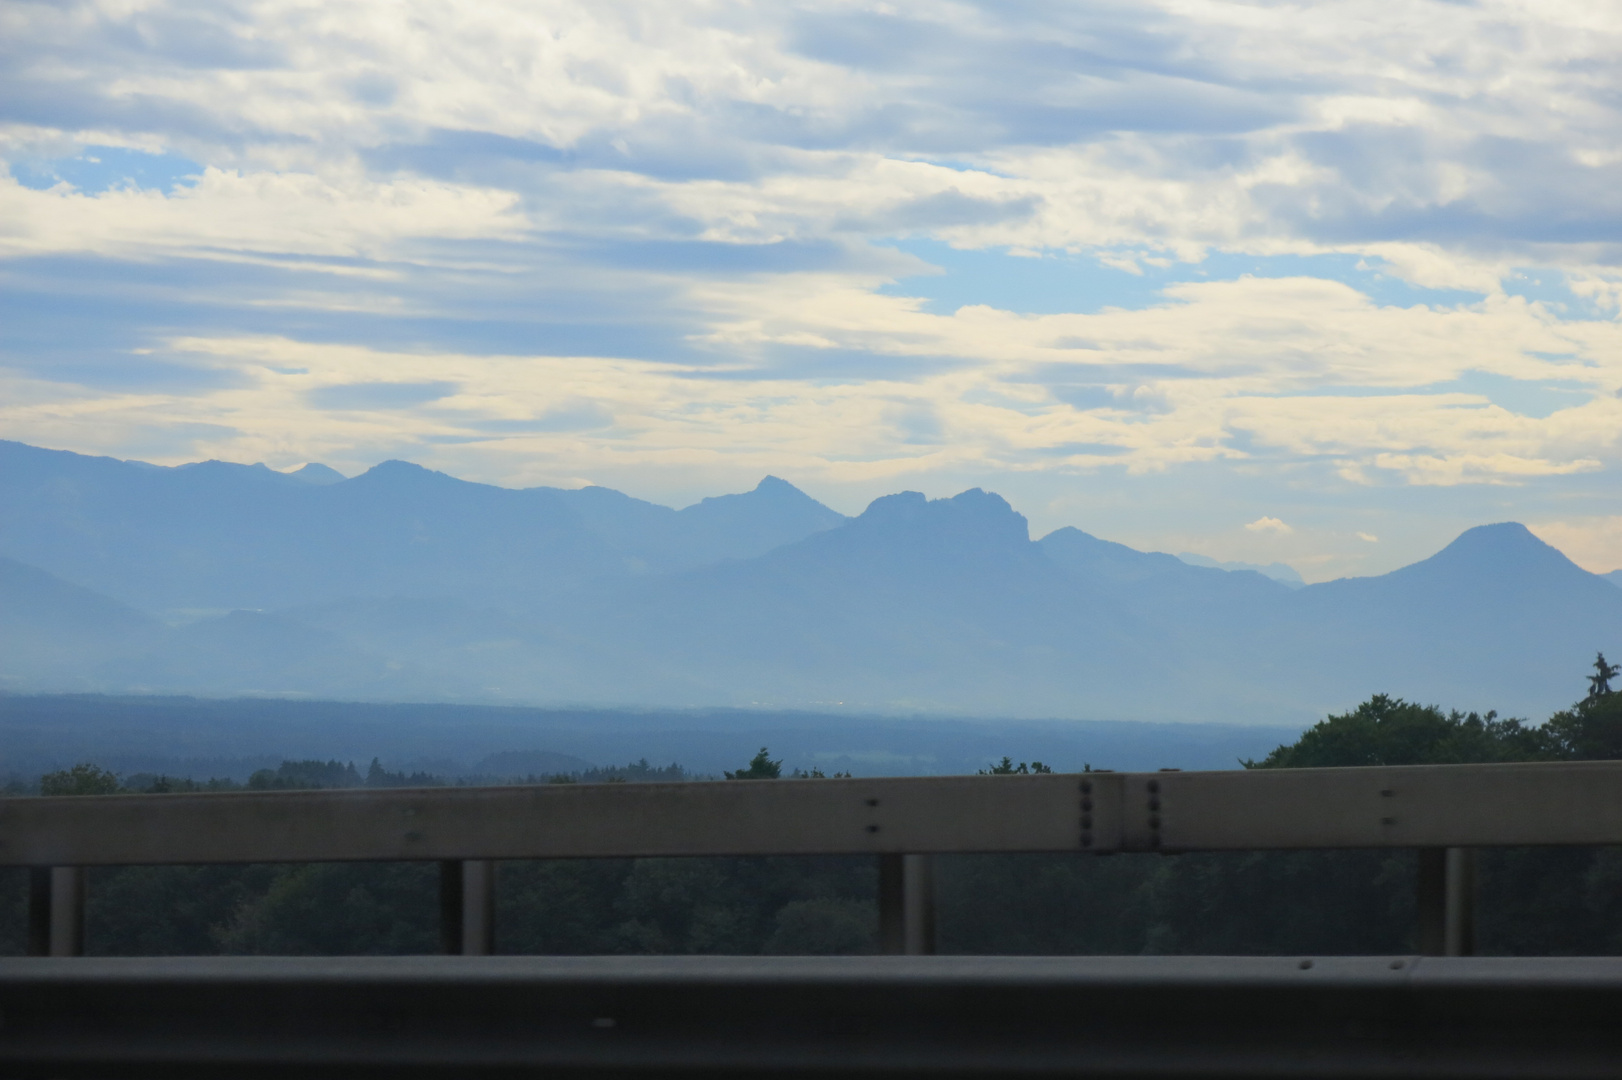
x=317, y=473
x=754, y=522
x=1495, y=620
x=1506, y=553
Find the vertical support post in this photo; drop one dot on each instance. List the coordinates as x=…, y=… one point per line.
x=907, y=905
x=1430, y=907
x=478, y=907
x=892, y=905
x=450, y=907
x=39, y=911
x=1446, y=907
x=918, y=899
x=1459, y=925
x=65, y=928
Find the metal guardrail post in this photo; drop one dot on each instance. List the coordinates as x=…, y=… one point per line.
x=1446, y=902
x=907, y=905
x=56, y=908
x=1430, y=902
x=39, y=911
x=1459, y=925
x=478, y=907
x=918, y=904
x=892, y=906
x=450, y=906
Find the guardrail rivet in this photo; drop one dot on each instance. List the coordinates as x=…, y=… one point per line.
x=1388, y=821
x=1396, y=965
x=872, y=828
x=1387, y=793
x=872, y=802
x=1305, y=964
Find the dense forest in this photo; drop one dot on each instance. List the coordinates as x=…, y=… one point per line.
x=1532, y=901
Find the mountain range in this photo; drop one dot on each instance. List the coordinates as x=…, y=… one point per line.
x=404, y=584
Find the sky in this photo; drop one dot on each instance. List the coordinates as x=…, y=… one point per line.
x=1323, y=284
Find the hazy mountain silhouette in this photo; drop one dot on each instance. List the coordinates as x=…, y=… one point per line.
x=1614, y=577
x=216, y=535
x=915, y=603
x=1494, y=620
x=54, y=635
x=406, y=584
x=1280, y=572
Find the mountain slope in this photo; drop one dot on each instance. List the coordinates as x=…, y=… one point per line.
x=943, y=605
x=217, y=535
x=55, y=635
x=1497, y=619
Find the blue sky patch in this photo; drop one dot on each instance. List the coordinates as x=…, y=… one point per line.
x=1058, y=282
x=1550, y=288
x=1535, y=398
x=103, y=168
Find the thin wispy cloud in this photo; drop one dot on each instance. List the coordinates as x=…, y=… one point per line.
x=1134, y=265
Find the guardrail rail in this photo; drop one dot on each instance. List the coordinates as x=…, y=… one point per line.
x=1139, y=1016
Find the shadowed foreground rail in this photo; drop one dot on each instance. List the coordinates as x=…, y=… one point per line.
x=849, y=1016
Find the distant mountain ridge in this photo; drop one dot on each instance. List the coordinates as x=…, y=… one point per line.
x=220, y=535
x=406, y=584
x=1280, y=572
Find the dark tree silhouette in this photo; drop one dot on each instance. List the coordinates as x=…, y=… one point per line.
x=1599, y=683
x=761, y=767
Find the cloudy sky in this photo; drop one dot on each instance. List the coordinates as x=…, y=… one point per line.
x=1323, y=283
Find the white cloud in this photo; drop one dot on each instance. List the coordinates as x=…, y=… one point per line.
x=1269, y=524
x=1368, y=538
x=275, y=213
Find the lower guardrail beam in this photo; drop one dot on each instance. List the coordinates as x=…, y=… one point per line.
x=404, y=1017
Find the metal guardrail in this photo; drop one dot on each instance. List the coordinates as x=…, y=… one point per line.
x=1340, y=1017
x=1444, y=810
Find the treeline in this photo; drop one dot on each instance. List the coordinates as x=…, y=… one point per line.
x=89, y=779
x=1549, y=901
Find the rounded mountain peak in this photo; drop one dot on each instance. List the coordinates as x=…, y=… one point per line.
x=975, y=511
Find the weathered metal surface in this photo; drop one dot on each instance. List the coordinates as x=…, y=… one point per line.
x=783, y=817
x=1402, y=806
x=1412, y=806
x=852, y=1016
